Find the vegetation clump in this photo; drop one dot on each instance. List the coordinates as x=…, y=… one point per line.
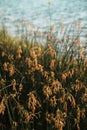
x=42, y=86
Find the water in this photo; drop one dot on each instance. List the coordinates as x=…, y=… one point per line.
x=40, y=14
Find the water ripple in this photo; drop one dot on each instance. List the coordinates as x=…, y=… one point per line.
x=40, y=13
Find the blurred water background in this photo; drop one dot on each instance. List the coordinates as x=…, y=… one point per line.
x=41, y=13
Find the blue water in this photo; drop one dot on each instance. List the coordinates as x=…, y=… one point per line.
x=40, y=14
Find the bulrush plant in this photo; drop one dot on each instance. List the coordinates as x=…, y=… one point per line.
x=43, y=86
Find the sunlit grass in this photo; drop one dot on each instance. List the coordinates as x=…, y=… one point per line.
x=42, y=86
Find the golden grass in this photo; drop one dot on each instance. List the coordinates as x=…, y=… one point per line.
x=42, y=87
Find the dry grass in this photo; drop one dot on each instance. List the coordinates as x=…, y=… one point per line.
x=42, y=87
